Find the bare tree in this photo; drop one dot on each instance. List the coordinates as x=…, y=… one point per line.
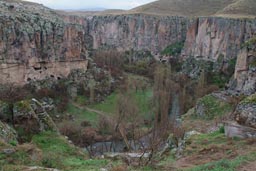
x=126, y=113
x=11, y=94
x=162, y=94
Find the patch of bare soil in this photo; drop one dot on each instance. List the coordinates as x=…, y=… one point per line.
x=251, y=166
x=206, y=155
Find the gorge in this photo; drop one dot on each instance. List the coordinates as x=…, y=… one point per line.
x=172, y=80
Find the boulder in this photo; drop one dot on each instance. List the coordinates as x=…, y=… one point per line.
x=233, y=129
x=35, y=111
x=22, y=110
x=44, y=120
x=245, y=113
x=211, y=106
x=245, y=70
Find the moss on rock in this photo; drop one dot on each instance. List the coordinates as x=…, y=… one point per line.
x=210, y=107
x=7, y=133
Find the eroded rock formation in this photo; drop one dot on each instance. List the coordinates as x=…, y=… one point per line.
x=34, y=37
x=137, y=31
x=245, y=72
x=213, y=37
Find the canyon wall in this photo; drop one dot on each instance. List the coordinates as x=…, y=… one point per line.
x=136, y=31
x=213, y=37
x=32, y=35
x=205, y=37
x=245, y=72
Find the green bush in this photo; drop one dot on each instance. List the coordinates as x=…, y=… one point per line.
x=173, y=49
x=13, y=143
x=214, y=107
x=249, y=100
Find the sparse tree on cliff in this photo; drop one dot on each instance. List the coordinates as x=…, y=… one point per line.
x=126, y=114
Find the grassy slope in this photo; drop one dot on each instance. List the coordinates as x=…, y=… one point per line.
x=215, y=152
x=184, y=7
x=108, y=106
x=81, y=115
x=199, y=7
x=141, y=98
x=48, y=150
x=212, y=152
x=190, y=8
x=240, y=7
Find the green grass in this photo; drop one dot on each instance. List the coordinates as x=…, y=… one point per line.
x=144, y=168
x=216, y=137
x=108, y=105
x=82, y=100
x=58, y=153
x=249, y=100
x=142, y=99
x=214, y=107
x=82, y=115
x=173, y=49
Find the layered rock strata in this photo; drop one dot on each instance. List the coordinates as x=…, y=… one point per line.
x=35, y=43
x=34, y=37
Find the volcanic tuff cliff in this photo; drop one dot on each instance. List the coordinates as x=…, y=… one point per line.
x=213, y=37
x=138, y=32
x=36, y=45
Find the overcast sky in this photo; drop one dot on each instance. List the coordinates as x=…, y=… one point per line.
x=85, y=4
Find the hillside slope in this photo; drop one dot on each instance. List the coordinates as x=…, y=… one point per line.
x=198, y=7
x=240, y=7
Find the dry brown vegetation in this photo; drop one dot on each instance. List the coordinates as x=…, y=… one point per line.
x=199, y=7
x=191, y=8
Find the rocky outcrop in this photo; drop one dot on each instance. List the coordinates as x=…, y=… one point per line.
x=244, y=124
x=7, y=133
x=213, y=106
x=34, y=70
x=233, y=129
x=33, y=111
x=211, y=38
x=36, y=43
x=245, y=72
x=245, y=113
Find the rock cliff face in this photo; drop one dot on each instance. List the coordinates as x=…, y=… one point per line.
x=34, y=38
x=36, y=42
x=208, y=38
x=136, y=31
x=245, y=72
x=212, y=37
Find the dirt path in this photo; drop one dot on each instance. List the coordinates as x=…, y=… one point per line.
x=92, y=110
x=107, y=116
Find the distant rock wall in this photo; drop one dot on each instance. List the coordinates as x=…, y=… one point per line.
x=245, y=72
x=213, y=37
x=136, y=31
x=32, y=37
